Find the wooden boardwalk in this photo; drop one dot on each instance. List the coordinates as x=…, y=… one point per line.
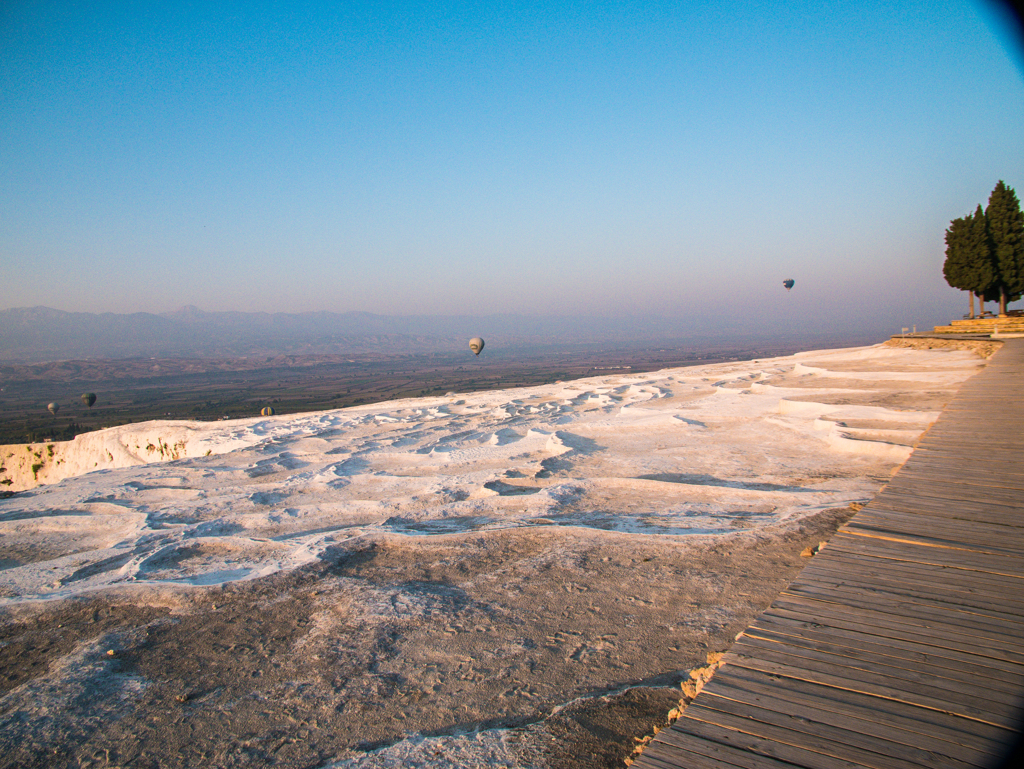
x=901, y=645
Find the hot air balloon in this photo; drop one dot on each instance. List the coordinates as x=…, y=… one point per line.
x=788, y=283
x=53, y=408
x=88, y=399
x=476, y=344
x=267, y=411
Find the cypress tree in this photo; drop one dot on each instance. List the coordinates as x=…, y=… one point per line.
x=968, y=264
x=1006, y=238
x=979, y=247
x=955, y=267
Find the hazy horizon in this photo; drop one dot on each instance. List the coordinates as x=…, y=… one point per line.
x=41, y=334
x=621, y=160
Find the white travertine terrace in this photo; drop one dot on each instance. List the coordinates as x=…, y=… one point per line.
x=678, y=452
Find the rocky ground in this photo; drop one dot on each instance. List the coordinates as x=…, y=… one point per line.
x=390, y=638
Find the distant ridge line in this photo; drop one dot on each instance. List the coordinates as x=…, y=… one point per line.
x=38, y=334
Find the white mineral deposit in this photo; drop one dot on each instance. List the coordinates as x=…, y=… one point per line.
x=469, y=580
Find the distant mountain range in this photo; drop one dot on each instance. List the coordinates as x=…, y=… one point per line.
x=39, y=334
x=35, y=334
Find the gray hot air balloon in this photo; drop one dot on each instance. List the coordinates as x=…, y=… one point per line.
x=88, y=399
x=53, y=408
x=476, y=344
x=789, y=283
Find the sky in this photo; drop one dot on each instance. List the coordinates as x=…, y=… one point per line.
x=554, y=158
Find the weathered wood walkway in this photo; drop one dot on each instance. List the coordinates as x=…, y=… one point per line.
x=901, y=645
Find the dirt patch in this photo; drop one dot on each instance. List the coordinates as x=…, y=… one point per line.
x=31, y=641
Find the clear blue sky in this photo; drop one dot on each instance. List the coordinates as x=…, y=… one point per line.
x=538, y=157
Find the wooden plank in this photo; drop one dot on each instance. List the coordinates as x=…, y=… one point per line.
x=961, y=426
x=999, y=476
x=844, y=564
x=957, y=429
x=965, y=511
x=952, y=469
x=934, y=698
x=1007, y=691
x=886, y=585
x=970, y=465
x=978, y=593
x=962, y=671
x=858, y=638
x=960, y=429
x=860, y=740
x=944, y=445
x=991, y=510
x=987, y=563
x=948, y=525
x=983, y=563
x=996, y=489
x=992, y=518
x=885, y=628
x=963, y=737
x=952, y=436
x=658, y=755
x=978, y=569
x=946, y=438
x=940, y=527
x=795, y=755
x=889, y=603
x=855, y=573
x=938, y=535
x=976, y=436
x=978, y=499
x=890, y=626
x=857, y=577
x=926, y=463
x=797, y=597
x=690, y=751
x=921, y=500
x=974, y=459
x=837, y=562
x=875, y=672
x=939, y=492
x=822, y=741
x=923, y=530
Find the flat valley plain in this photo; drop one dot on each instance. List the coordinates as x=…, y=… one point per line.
x=140, y=389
